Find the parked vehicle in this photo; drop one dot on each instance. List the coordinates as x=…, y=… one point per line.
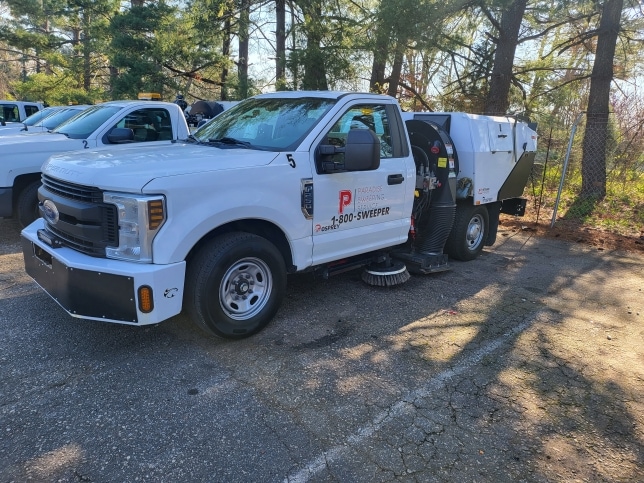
x=36, y=117
x=47, y=122
x=17, y=111
x=287, y=182
x=112, y=124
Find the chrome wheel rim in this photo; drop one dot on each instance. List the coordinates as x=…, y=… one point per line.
x=245, y=288
x=474, y=235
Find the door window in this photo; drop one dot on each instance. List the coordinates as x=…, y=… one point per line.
x=363, y=116
x=29, y=110
x=149, y=124
x=10, y=113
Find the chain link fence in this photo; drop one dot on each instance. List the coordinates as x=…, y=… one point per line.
x=589, y=173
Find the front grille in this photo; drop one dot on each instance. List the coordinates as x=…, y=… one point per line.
x=87, y=194
x=85, y=246
x=89, y=243
x=86, y=223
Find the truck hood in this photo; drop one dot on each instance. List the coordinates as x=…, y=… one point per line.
x=19, y=130
x=131, y=168
x=37, y=142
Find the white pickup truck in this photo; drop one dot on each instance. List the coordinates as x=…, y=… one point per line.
x=36, y=118
x=17, y=111
x=280, y=183
x=42, y=121
x=115, y=124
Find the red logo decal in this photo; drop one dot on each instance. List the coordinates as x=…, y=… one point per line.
x=345, y=200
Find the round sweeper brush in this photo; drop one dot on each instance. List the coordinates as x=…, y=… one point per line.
x=389, y=275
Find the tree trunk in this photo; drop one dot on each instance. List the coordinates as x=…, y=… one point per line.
x=77, y=42
x=593, y=163
x=244, y=22
x=87, y=53
x=280, y=45
x=295, y=70
x=314, y=61
x=396, y=69
x=225, y=51
x=497, y=101
x=39, y=62
x=380, y=53
x=114, y=74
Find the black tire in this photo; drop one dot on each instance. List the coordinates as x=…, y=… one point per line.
x=469, y=232
x=27, y=204
x=235, y=285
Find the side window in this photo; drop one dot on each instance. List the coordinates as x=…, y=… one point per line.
x=29, y=110
x=364, y=116
x=10, y=113
x=149, y=124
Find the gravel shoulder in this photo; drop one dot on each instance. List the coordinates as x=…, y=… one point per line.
x=526, y=364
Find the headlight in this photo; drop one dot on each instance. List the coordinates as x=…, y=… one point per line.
x=139, y=220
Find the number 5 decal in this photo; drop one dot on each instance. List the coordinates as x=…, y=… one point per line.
x=291, y=161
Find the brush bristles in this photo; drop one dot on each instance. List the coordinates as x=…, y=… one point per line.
x=388, y=278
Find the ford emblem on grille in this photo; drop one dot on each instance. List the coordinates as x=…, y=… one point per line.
x=50, y=211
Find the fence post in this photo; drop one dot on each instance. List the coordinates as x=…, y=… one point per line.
x=565, y=168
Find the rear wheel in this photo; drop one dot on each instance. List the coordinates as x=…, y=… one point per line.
x=235, y=285
x=27, y=205
x=469, y=232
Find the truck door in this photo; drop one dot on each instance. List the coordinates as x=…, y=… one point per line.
x=356, y=212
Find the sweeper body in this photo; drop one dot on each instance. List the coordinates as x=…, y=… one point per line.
x=321, y=182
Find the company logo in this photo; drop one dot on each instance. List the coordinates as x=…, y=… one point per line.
x=345, y=200
x=50, y=211
x=319, y=227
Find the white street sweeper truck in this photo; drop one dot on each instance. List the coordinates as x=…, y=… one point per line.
x=280, y=183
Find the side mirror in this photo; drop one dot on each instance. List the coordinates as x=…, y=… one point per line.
x=120, y=135
x=361, y=153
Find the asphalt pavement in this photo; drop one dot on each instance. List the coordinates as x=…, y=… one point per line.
x=526, y=364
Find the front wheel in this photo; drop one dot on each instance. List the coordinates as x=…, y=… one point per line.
x=235, y=285
x=27, y=204
x=469, y=232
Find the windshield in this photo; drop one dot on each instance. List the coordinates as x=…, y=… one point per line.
x=58, y=118
x=86, y=122
x=272, y=124
x=40, y=115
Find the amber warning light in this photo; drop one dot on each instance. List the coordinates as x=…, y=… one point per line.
x=146, y=301
x=155, y=213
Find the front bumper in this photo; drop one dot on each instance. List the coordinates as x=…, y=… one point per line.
x=101, y=288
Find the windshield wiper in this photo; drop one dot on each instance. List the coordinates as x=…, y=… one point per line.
x=193, y=139
x=231, y=141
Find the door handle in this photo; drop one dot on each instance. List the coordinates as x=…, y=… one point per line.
x=395, y=179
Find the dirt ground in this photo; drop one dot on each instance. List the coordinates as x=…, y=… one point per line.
x=599, y=239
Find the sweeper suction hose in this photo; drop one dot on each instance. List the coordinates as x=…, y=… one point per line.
x=441, y=155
